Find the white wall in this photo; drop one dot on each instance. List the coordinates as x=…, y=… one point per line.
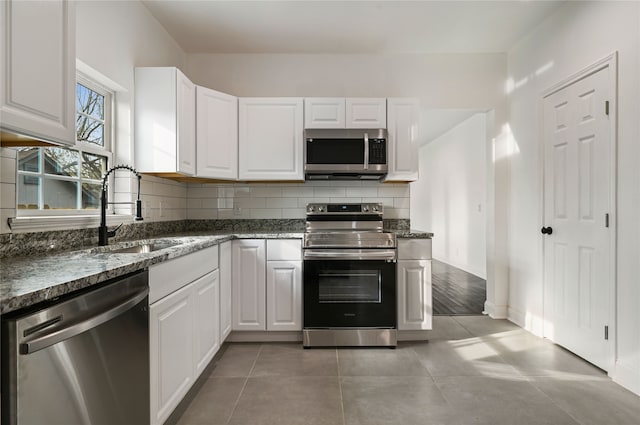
x=113, y=37
x=579, y=34
x=449, y=199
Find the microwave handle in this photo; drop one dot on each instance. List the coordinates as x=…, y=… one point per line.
x=366, y=151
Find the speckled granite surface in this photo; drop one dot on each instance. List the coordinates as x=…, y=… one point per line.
x=25, y=281
x=35, y=268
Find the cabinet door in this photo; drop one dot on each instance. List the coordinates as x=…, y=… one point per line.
x=324, y=112
x=171, y=352
x=366, y=112
x=216, y=134
x=206, y=324
x=284, y=295
x=225, y=290
x=270, y=139
x=37, y=84
x=402, y=139
x=249, y=292
x=414, y=295
x=186, y=110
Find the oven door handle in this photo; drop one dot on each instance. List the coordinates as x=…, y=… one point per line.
x=350, y=254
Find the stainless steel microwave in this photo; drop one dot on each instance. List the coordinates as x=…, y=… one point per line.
x=345, y=154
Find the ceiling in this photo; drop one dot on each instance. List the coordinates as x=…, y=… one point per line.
x=348, y=27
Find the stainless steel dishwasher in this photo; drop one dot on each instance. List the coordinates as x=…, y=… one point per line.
x=82, y=360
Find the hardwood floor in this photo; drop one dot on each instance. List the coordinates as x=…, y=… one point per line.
x=455, y=291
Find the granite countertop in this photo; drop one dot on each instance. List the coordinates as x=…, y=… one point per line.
x=26, y=281
x=413, y=234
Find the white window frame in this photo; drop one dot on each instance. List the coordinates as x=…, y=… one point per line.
x=81, y=147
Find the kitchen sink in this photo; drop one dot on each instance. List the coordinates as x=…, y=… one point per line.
x=144, y=248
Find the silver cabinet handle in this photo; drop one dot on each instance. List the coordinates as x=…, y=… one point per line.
x=366, y=151
x=73, y=330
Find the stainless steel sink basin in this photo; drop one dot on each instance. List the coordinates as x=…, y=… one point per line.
x=144, y=248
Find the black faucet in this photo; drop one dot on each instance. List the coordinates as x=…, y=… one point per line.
x=103, y=233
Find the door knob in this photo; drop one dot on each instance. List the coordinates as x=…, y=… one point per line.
x=546, y=230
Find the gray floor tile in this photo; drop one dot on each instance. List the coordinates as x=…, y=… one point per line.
x=293, y=360
x=485, y=325
x=534, y=356
x=501, y=401
x=402, y=361
x=445, y=327
x=592, y=402
x=214, y=402
x=237, y=360
x=468, y=357
x=391, y=400
x=293, y=400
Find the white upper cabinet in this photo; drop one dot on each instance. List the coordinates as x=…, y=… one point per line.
x=165, y=121
x=402, y=129
x=37, y=88
x=216, y=134
x=324, y=112
x=340, y=112
x=366, y=112
x=270, y=139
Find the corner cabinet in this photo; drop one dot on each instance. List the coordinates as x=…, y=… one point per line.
x=402, y=128
x=270, y=139
x=340, y=112
x=165, y=122
x=216, y=134
x=38, y=69
x=415, y=310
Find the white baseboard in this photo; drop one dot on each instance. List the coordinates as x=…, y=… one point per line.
x=530, y=322
x=413, y=335
x=496, y=311
x=627, y=375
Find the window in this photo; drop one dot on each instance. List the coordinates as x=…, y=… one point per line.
x=68, y=180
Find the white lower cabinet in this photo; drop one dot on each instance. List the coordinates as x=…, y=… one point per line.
x=284, y=295
x=415, y=306
x=414, y=295
x=267, y=285
x=249, y=292
x=184, y=327
x=225, y=290
x=171, y=345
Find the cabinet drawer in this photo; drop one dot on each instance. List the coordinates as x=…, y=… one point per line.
x=167, y=277
x=284, y=249
x=414, y=249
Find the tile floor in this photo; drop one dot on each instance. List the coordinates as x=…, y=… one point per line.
x=473, y=370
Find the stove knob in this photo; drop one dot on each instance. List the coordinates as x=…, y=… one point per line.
x=375, y=209
x=312, y=209
x=365, y=208
x=320, y=209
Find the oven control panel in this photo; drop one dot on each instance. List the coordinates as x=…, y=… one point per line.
x=350, y=209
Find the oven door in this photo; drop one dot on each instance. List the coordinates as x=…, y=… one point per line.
x=349, y=294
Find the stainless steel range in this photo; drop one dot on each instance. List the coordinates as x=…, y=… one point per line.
x=349, y=285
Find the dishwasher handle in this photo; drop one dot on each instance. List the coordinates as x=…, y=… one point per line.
x=75, y=329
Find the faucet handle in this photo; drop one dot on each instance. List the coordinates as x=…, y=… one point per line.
x=112, y=233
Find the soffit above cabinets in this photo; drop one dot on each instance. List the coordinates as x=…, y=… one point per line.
x=354, y=27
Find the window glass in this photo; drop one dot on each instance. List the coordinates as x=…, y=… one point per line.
x=61, y=161
x=90, y=116
x=60, y=194
x=93, y=166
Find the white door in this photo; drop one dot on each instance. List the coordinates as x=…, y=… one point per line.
x=577, y=184
x=171, y=352
x=284, y=295
x=216, y=134
x=270, y=139
x=206, y=324
x=186, y=110
x=414, y=295
x=249, y=292
x=225, y=290
x=366, y=112
x=324, y=112
x=402, y=142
